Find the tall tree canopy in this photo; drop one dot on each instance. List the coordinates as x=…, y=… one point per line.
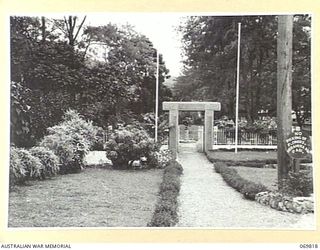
x=210, y=48
x=106, y=73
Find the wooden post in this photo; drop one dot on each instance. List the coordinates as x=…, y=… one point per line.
x=284, y=92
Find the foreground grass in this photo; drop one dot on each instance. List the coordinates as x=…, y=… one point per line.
x=93, y=198
x=243, y=158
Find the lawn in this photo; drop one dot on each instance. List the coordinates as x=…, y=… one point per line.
x=244, y=158
x=265, y=176
x=94, y=198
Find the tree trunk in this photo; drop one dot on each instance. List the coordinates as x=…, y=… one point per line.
x=284, y=92
x=43, y=28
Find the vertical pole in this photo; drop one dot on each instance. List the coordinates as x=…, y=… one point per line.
x=237, y=90
x=157, y=100
x=284, y=92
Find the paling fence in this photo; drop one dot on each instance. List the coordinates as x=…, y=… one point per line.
x=227, y=137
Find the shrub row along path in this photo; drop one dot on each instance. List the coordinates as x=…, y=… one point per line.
x=205, y=200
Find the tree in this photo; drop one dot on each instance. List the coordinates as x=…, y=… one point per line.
x=134, y=57
x=106, y=73
x=210, y=65
x=284, y=92
x=301, y=74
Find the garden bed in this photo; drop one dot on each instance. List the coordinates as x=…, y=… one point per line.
x=94, y=198
x=166, y=210
x=238, y=177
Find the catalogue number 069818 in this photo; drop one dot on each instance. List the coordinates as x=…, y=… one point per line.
x=308, y=246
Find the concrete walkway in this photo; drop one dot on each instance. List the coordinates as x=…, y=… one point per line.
x=205, y=200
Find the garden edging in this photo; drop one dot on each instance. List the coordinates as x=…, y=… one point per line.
x=278, y=201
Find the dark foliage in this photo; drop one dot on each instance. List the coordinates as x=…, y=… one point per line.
x=165, y=214
x=248, y=188
x=298, y=184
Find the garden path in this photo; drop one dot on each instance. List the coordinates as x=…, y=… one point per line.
x=205, y=200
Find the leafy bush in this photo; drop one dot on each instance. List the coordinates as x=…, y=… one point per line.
x=24, y=166
x=98, y=142
x=74, y=124
x=248, y=188
x=162, y=158
x=165, y=214
x=298, y=184
x=19, y=118
x=70, y=141
x=18, y=173
x=128, y=144
x=48, y=159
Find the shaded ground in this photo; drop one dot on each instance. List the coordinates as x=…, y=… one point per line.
x=93, y=198
x=207, y=201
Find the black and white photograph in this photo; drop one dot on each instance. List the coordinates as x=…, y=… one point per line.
x=161, y=120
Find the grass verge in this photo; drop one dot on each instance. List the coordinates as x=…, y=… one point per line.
x=246, y=158
x=266, y=176
x=248, y=188
x=165, y=214
x=94, y=198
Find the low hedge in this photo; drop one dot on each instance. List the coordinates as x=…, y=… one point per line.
x=249, y=189
x=165, y=214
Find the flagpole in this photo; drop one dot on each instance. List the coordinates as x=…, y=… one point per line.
x=157, y=100
x=237, y=91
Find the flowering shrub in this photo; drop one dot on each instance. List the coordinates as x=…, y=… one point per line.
x=162, y=157
x=18, y=173
x=266, y=126
x=128, y=144
x=70, y=141
x=74, y=124
x=48, y=159
x=23, y=166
